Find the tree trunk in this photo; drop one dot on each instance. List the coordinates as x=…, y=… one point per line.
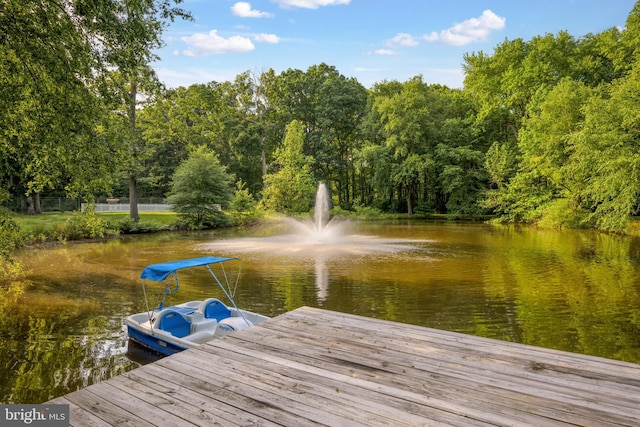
x=37, y=206
x=133, y=198
x=133, y=179
x=30, y=210
x=263, y=158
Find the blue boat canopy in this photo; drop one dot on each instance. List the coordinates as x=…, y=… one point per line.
x=159, y=272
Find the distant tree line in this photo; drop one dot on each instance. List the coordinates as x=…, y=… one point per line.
x=544, y=131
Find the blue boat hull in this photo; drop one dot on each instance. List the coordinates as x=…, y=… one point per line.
x=154, y=343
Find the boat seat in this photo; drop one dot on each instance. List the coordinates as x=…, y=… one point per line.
x=175, y=323
x=204, y=325
x=213, y=308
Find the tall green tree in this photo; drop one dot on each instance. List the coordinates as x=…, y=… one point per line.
x=201, y=184
x=49, y=101
x=607, y=147
x=331, y=107
x=174, y=121
x=373, y=157
x=338, y=111
x=291, y=188
x=55, y=64
x=550, y=179
x=140, y=24
x=434, y=153
x=405, y=117
x=256, y=132
x=537, y=92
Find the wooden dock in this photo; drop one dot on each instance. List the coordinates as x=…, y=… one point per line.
x=317, y=367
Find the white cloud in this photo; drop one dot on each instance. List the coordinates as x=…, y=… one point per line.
x=385, y=52
x=309, y=4
x=244, y=10
x=402, y=39
x=201, y=44
x=469, y=31
x=173, y=78
x=432, y=37
x=267, y=38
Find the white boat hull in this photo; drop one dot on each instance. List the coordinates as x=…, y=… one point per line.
x=177, y=328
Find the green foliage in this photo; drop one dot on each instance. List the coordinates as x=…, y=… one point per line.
x=243, y=200
x=243, y=204
x=607, y=149
x=541, y=125
x=358, y=212
x=182, y=118
x=85, y=225
x=10, y=236
x=128, y=226
x=55, y=90
x=330, y=107
x=560, y=213
x=501, y=161
x=572, y=104
x=78, y=226
x=292, y=188
x=214, y=219
x=10, y=239
x=433, y=154
x=201, y=186
x=521, y=201
x=461, y=178
x=62, y=227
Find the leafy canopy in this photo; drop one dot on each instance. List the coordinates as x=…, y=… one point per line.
x=199, y=184
x=292, y=188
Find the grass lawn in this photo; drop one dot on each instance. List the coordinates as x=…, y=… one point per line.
x=33, y=223
x=30, y=223
x=166, y=218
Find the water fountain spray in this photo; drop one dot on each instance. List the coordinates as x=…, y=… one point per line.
x=322, y=208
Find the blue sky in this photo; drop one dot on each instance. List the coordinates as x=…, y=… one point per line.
x=370, y=40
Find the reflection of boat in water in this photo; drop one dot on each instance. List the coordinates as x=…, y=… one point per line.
x=168, y=330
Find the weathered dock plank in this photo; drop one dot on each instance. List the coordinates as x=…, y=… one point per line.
x=315, y=367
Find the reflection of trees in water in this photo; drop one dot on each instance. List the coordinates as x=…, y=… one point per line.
x=570, y=290
x=45, y=357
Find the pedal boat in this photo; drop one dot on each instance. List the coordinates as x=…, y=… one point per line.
x=169, y=330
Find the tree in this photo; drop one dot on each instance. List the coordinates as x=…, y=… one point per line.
x=532, y=100
x=501, y=163
x=56, y=60
x=549, y=179
x=200, y=185
x=405, y=116
x=433, y=150
x=607, y=149
x=292, y=188
x=331, y=108
x=244, y=205
x=175, y=120
x=250, y=92
x=49, y=103
x=142, y=23
x=338, y=111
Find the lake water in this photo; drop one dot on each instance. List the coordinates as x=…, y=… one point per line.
x=571, y=290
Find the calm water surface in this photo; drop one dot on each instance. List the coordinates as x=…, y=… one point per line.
x=577, y=291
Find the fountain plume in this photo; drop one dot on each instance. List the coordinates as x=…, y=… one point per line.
x=320, y=237
x=322, y=208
